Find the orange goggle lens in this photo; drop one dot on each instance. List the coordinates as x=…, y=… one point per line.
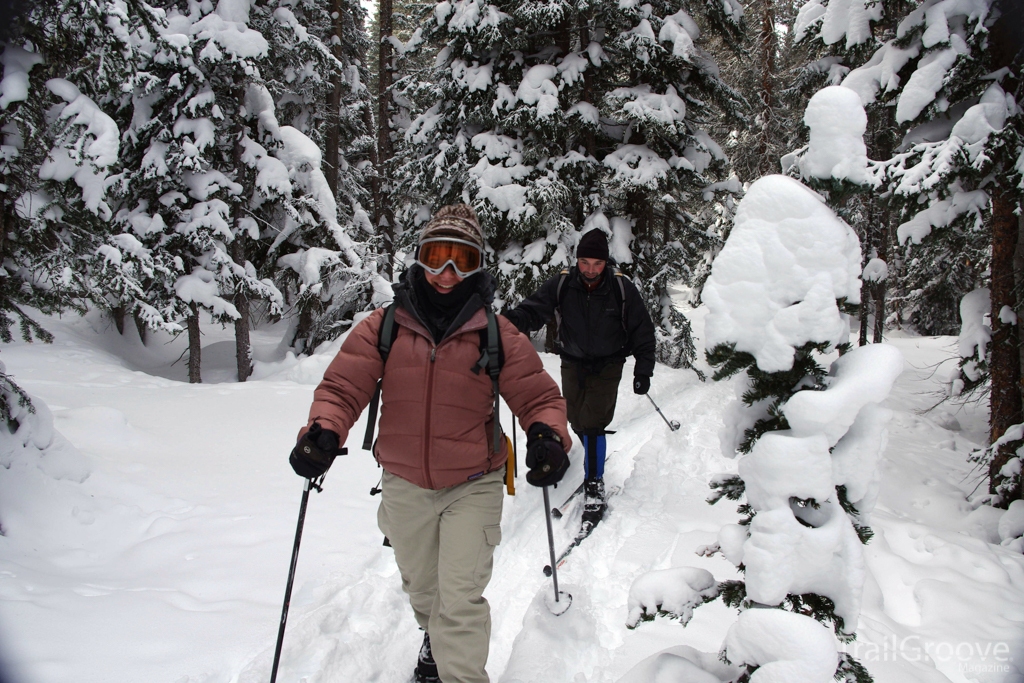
x=435, y=255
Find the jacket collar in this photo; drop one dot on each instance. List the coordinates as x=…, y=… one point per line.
x=471, y=312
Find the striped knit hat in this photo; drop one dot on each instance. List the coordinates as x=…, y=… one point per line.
x=454, y=220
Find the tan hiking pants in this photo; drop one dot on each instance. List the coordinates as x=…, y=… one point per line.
x=444, y=545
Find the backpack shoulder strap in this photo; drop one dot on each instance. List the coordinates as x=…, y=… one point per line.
x=491, y=360
x=388, y=332
x=385, y=340
x=621, y=289
x=562, y=277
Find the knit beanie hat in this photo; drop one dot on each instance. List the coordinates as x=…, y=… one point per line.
x=593, y=244
x=455, y=220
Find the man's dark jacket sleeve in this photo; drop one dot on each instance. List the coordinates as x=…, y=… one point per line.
x=536, y=310
x=640, y=329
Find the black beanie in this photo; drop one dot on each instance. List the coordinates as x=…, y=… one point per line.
x=593, y=244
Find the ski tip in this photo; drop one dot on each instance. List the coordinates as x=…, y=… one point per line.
x=547, y=570
x=556, y=513
x=675, y=425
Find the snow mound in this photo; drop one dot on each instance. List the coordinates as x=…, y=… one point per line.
x=545, y=632
x=837, y=121
x=681, y=664
x=775, y=284
x=862, y=376
x=674, y=591
x=788, y=648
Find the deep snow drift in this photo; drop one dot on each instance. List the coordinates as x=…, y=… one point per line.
x=150, y=541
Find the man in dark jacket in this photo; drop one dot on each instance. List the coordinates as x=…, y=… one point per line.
x=601, y=319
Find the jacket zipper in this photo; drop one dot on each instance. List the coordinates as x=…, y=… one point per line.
x=426, y=428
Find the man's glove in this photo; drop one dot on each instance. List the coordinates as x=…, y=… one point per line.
x=641, y=384
x=544, y=456
x=314, y=452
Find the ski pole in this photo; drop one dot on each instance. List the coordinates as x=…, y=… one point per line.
x=310, y=483
x=551, y=550
x=515, y=450
x=291, y=578
x=672, y=424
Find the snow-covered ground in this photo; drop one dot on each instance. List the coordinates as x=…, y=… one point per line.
x=151, y=541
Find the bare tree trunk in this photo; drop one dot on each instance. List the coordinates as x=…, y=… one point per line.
x=117, y=314
x=1018, y=278
x=243, y=344
x=303, y=329
x=195, y=349
x=332, y=139
x=865, y=296
x=583, y=25
x=1005, y=356
x=768, y=46
x=878, y=290
x=243, y=347
x=384, y=218
x=1004, y=353
x=140, y=326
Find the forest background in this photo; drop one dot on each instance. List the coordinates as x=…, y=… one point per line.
x=257, y=159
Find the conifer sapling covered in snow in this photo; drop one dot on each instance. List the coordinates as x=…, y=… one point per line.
x=809, y=436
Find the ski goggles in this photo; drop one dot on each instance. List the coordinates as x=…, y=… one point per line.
x=438, y=253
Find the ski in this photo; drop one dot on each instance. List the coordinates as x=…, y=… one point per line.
x=586, y=528
x=559, y=512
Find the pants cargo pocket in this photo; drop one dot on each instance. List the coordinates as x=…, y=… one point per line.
x=485, y=560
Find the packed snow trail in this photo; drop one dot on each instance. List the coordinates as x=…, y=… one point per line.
x=151, y=542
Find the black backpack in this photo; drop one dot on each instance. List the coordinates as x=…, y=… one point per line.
x=491, y=359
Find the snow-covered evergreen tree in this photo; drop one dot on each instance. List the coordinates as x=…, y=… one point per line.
x=835, y=164
x=810, y=435
x=553, y=119
x=834, y=37
x=215, y=188
x=64, y=67
x=957, y=177
x=316, y=74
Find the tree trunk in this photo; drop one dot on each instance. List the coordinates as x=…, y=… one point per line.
x=195, y=349
x=589, y=142
x=243, y=348
x=1018, y=278
x=878, y=289
x=1004, y=353
x=768, y=46
x=243, y=345
x=140, y=326
x=384, y=218
x=865, y=296
x=117, y=313
x=332, y=139
x=302, y=331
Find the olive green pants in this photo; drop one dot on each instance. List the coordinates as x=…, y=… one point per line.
x=590, y=396
x=444, y=545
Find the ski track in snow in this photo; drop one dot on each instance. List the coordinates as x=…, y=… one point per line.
x=169, y=562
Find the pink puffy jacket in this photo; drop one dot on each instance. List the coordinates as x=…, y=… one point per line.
x=436, y=420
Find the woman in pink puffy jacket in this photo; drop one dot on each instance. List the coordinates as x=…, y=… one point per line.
x=443, y=468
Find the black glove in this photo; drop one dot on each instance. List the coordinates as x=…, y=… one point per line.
x=544, y=456
x=314, y=453
x=641, y=384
